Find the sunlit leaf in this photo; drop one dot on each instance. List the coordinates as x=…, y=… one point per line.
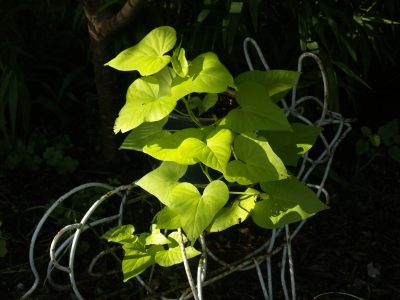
x=236, y=213
x=137, y=260
x=256, y=161
x=156, y=237
x=197, y=211
x=217, y=150
x=147, y=56
x=290, y=146
x=173, y=255
x=119, y=234
x=179, y=62
x=160, y=181
x=143, y=104
x=209, y=75
x=168, y=147
x=256, y=111
x=289, y=201
x=139, y=137
x=167, y=219
x=190, y=146
x=277, y=83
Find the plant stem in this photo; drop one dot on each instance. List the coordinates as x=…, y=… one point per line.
x=191, y=114
x=204, y=169
x=181, y=113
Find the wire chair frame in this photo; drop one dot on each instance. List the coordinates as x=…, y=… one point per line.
x=260, y=260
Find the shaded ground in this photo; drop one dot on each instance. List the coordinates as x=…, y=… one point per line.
x=351, y=248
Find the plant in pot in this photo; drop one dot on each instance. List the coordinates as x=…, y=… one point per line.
x=245, y=155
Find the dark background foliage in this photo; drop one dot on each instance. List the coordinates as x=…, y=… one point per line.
x=51, y=136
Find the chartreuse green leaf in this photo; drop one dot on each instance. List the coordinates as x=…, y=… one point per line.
x=236, y=213
x=277, y=82
x=209, y=101
x=144, y=104
x=256, y=161
x=143, y=251
x=165, y=78
x=167, y=147
x=141, y=135
x=189, y=146
x=289, y=201
x=172, y=255
x=209, y=75
x=119, y=234
x=179, y=62
x=156, y=237
x=167, y=219
x=147, y=56
x=197, y=211
x=214, y=152
x=256, y=111
x=161, y=181
x=152, y=98
x=290, y=146
x=137, y=259
x=217, y=150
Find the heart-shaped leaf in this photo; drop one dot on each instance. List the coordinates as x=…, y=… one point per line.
x=209, y=75
x=215, y=152
x=197, y=211
x=189, y=146
x=137, y=260
x=144, y=104
x=147, y=56
x=277, y=83
x=167, y=219
x=290, y=146
x=289, y=201
x=179, y=62
x=142, y=134
x=119, y=234
x=209, y=101
x=160, y=181
x=256, y=162
x=236, y=213
x=173, y=256
x=156, y=237
x=256, y=111
x=168, y=147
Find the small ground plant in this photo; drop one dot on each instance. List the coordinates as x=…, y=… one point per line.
x=386, y=141
x=246, y=155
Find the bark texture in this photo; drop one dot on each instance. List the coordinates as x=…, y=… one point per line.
x=102, y=27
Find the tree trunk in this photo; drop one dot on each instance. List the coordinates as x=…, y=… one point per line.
x=102, y=28
x=110, y=97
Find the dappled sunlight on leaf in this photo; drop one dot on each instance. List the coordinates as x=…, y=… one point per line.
x=289, y=201
x=147, y=56
x=256, y=161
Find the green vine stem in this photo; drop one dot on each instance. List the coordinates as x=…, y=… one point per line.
x=191, y=114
